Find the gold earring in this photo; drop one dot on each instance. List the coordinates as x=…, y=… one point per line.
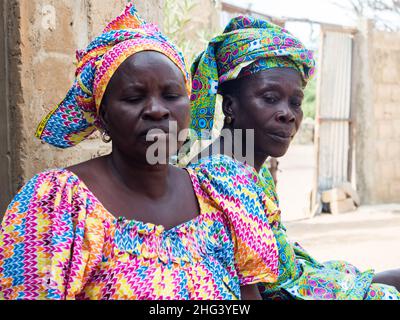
x=228, y=119
x=105, y=137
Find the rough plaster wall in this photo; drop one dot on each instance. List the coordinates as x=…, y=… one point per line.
x=152, y=10
x=5, y=160
x=386, y=99
x=376, y=97
x=44, y=36
x=362, y=102
x=12, y=92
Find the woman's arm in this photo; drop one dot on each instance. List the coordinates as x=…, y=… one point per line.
x=250, y=292
x=46, y=243
x=389, y=277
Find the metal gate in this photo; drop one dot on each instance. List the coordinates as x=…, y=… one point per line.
x=333, y=129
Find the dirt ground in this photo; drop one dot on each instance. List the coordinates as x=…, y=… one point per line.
x=367, y=238
x=295, y=181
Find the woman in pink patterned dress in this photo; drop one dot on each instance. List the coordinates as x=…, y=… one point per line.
x=117, y=227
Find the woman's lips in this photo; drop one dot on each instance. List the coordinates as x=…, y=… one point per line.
x=155, y=131
x=151, y=136
x=281, y=137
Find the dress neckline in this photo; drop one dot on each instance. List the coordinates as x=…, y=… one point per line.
x=149, y=227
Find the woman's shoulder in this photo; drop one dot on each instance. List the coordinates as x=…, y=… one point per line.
x=55, y=194
x=57, y=185
x=222, y=168
x=77, y=177
x=220, y=163
x=51, y=178
x=45, y=187
x=88, y=170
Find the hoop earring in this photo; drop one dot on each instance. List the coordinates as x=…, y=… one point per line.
x=228, y=119
x=105, y=137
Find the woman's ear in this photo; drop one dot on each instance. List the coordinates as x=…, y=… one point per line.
x=228, y=108
x=105, y=133
x=103, y=116
x=227, y=105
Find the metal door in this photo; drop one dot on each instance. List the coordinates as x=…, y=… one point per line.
x=333, y=138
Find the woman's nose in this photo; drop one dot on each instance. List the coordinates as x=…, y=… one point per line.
x=155, y=110
x=285, y=113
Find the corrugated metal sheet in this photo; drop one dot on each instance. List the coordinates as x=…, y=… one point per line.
x=333, y=115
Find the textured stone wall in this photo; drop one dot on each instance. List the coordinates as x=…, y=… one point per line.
x=5, y=156
x=386, y=99
x=377, y=99
x=42, y=37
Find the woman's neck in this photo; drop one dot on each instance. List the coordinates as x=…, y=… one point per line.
x=259, y=160
x=139, y=177
x=256, y=160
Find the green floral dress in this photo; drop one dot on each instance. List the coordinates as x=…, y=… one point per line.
x=303, y=277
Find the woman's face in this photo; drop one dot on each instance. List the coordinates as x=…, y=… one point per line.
x=146, y=92
x=270, y=103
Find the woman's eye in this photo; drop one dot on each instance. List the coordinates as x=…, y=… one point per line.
x=297, y=104
x=271, y=99
x=134, y=99
x=171, y=96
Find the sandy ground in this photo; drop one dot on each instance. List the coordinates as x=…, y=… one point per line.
x=295, y=181
x=367, y=238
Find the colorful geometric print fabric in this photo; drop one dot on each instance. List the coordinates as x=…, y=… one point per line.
x=57, y=241
x=76, y=117
x=244, y=41
x=303, y=277
x=265, y=64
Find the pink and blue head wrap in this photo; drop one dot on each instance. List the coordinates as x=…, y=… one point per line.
x=77, y=116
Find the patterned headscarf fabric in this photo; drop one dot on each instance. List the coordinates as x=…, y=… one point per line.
x=247, y=45
x=77, y=116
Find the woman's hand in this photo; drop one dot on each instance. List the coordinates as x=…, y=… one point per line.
x=250, y=292
x=390, y=277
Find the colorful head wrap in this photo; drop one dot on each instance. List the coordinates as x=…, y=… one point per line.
x=247, y=46
x=77, y=116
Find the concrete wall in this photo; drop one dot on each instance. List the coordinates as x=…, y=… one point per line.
x=386, y=91
x=191, y=26
x=10, y=93
x=5, y=157
x=41, y=38
x=377, y=101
